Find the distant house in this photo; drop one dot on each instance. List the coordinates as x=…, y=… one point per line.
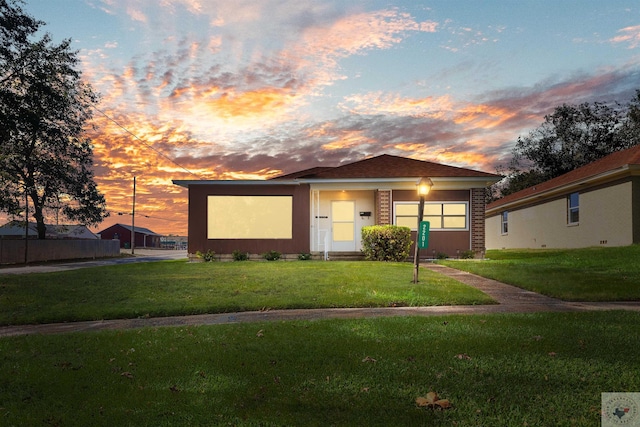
x=144, y=238
x=15, y=230
x=595, y=205
x=323, y=209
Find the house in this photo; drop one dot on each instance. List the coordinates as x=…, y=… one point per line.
x=323, y=209
x=595, y=205
x=144, y=238
x=15, y=230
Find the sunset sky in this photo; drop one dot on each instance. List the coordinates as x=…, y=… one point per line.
x=250, y=89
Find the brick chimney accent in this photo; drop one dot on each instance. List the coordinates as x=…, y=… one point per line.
x=477, y=220
x=383, y=207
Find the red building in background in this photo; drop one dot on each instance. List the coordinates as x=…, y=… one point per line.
x=144, y=238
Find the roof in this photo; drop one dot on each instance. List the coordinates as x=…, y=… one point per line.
x=140, y=230
x=388, y=166
x=607, y=168
x=307, y=173
x=53, y=231
x=383, y=168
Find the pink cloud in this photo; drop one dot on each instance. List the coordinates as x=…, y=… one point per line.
x=629, y=35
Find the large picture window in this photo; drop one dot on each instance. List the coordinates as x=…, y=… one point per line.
x=441, y=215
x=250, y=217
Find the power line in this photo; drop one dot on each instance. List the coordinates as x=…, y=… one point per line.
x=142, y=142
x=150, y=217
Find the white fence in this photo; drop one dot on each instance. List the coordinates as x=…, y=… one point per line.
x=13, y=251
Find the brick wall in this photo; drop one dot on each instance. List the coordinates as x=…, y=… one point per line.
x=477, y=220
x=383, y=207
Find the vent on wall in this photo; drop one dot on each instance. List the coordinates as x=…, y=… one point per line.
x=603, y=242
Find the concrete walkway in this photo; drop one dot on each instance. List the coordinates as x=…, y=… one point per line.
x=510, y=300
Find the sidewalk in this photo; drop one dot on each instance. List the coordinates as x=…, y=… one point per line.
x=510, y=300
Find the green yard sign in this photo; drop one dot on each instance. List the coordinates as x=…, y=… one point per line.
x=423, y=234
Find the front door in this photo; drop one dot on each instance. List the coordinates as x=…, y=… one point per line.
x=343, y=226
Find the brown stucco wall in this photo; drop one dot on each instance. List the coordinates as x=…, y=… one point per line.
x=198, y=241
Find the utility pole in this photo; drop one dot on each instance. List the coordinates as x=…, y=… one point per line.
x=26, y=225
x=133, y=218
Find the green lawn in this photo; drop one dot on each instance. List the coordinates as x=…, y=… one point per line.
x=178, y=288
x=592, y=274
x=545, y=369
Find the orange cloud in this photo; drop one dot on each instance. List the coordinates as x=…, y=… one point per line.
x=467, y=159
x=482, y=116
x=347, y=139
x=379, y=103
x=250, y=103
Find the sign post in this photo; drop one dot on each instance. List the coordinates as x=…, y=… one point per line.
x=423, y=234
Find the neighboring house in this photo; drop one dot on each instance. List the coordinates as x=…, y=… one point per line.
x=144, y=238
x=595, y=205
x=15, y=230
x=323, y=210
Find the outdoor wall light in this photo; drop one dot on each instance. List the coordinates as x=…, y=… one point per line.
x=424, y=186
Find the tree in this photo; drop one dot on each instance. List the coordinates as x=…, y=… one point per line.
x=44, y=109
x=571, y=137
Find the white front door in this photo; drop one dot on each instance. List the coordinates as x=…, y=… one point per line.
x=343, y=226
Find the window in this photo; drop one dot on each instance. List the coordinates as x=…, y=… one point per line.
x=573, y=208
x=505, y=222
x=250, y=217
x=441, y=215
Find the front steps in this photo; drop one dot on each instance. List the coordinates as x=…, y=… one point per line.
x=346, y=256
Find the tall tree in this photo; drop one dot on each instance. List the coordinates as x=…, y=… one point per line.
x=571, y=137
x=44, y=109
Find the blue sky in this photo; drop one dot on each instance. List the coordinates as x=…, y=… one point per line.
x=249, y=89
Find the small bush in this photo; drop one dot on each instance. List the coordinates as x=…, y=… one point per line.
x=271, y=255
x=442, y=255
x=467, y=254
x=240, y=256
x=207, y=256
x=386, y=242
x=304, y=257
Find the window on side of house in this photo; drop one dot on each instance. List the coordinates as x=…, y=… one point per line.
x=505, y=222
x=441, y=215
x=573, y=209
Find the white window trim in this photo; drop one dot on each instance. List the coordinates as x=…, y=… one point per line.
x=503, y=222
x=570, y=208
x=457, y=202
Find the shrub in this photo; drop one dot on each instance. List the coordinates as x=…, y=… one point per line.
x=240, y=256
x=386, y=242
x=468, y=254
x=207, y=256
x=304, y=257
x=271, y=255
x=442, y=255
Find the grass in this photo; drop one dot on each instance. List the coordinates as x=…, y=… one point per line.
x=497, y=370
x=592, y=274
x=179, y=288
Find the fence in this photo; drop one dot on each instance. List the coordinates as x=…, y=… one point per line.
x=13, y=251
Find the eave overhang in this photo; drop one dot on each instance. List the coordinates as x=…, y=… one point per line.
x=536, y=196
x=404, y=183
